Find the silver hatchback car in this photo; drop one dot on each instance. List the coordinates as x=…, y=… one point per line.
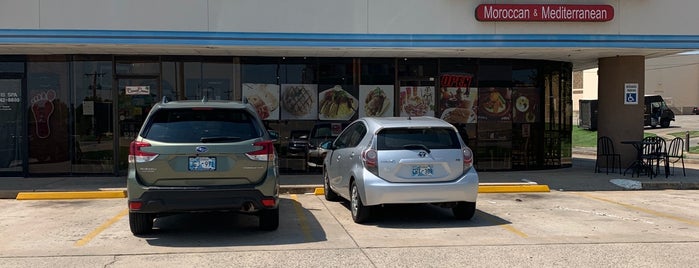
x=400, y=160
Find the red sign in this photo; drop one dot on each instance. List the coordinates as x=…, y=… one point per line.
x=503, y=12
x=456, y=80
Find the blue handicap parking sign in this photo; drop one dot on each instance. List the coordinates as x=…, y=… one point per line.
x=631, y=97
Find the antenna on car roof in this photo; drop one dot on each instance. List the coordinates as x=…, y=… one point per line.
x=165, y=99
x=205, y=99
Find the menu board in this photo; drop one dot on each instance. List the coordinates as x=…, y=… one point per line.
x=299, y=101
x=417, y=101
x=376, y=100
x=265, y=99
x=336, y=103
x=494, y=104
x=525, y=105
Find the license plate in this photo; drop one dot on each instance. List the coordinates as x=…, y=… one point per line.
x=202, y=163
x=422, y=170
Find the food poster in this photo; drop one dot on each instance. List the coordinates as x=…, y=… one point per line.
x=299, y=102
x=494, y=104
x=264, y=98
x=376, y=100
x=417, y=101
x=459, y=104
x=336, y=103
x=525, y=105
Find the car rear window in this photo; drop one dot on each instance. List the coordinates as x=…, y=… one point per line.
x=432, y=138
x=197, y=125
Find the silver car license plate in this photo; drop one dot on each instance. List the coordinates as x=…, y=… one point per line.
x=422, y=170
x=202, y=163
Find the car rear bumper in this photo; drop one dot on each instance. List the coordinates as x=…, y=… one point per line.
x=378, y=191
x=174, y=200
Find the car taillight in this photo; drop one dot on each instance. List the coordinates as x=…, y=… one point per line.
x=138, y=156
x=468, y=158
x=266, y=153
x=135, y=205
x=370, y=158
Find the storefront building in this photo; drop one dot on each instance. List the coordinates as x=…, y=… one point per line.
x=76, y=86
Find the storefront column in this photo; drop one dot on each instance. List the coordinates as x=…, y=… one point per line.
x=620, y=121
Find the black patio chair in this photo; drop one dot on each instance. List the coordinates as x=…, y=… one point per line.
x=654, y=153
x=605, y=149
x=676, y=151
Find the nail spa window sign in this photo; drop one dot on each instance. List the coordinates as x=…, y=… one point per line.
x=42, y=107
x=6, y=98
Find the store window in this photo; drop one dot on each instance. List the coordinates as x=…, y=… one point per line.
x=93, y=116
x=337, y=96
x=377, y=87
x=12, y=115
x=138, y=65
x=171, y=83
x=213, y=79
x=48, y=114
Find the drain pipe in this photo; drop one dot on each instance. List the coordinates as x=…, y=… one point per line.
x=686, y=145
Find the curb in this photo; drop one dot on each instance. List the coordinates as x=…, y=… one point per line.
x=512, y=188
x=70, y=195
x=667, y=185
x=482, y=188
x=295, y=189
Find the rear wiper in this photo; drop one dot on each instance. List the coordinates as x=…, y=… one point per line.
x=416, y=147
x=219, y=139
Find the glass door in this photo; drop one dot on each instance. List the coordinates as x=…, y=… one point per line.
x=11, y=138
x=136, y=96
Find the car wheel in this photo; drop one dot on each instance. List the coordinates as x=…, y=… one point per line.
x=140, y=223
x=360, y=213
x=665, y=123
x=464, y=210
x=269, y=219
x=329, y=194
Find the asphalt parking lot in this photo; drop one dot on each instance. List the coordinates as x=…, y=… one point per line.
x=600, y=229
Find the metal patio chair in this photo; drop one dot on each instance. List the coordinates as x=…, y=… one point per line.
x=605, y=149
x=676, y=151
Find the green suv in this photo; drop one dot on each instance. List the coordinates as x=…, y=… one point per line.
x=195, y=156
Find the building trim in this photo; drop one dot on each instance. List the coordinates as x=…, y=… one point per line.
x=121, y=37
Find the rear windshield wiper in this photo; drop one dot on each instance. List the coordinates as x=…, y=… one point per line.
x=416, y=147
x=219, y=139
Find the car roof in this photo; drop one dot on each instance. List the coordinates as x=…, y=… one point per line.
x=227, y=104
x=394, y=122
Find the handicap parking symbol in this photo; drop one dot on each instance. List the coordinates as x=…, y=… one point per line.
x=631, y=98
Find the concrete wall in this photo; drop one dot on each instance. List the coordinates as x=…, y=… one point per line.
x=335, y=16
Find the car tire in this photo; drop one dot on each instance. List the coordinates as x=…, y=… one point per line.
x=269, y=219
x=464, y=210
x=665, y=123
x=360, y=213
x=330, y=195
x=140, y=223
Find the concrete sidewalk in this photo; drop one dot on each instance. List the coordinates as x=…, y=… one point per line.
x=580, y=177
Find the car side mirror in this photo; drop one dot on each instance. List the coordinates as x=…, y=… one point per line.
x=328, y=145
x=273, y=134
